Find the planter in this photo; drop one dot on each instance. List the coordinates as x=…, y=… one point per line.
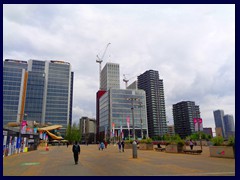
x=221, y=151
x=144, y=146
x=128, y=146
x=174, y=148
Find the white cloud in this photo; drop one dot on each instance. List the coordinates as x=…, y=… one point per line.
x=192, y=47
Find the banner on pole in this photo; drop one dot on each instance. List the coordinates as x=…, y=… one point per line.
x=198, y=124
x=128, y=122
x=113, y=129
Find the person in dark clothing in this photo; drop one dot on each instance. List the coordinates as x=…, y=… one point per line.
x=76, y=151
x=191, y=144
x=119, y=146
x=122, y=143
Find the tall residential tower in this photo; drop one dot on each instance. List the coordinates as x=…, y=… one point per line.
x=183, y=114
x=156, y=116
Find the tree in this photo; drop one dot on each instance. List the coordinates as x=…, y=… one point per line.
x=73, y=133
x=68, y=133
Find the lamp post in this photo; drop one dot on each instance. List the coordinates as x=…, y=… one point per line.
x=134, y=144
x=133, y=121
x=199, y=121
x=132, y=108
x=140, y=105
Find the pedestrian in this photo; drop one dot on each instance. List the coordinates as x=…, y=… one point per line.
x=105, y=143
x=191, y=144
x=76, y=151
x=67, y=144
x=122, y=143
x=99, y=145
x=102, y=145
x=119, y=146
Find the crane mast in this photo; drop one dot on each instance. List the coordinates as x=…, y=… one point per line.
x=100, y=60
x=125, y=80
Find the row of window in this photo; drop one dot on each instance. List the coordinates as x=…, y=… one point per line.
x=11, y=83
x=11, y=93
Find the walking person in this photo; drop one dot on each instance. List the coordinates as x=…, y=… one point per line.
x=99, y=146
x=102, y=146
x=76, y=151
x=191, y=144
x=122, y=144
x=119, y=145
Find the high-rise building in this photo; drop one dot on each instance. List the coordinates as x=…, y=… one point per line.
x=133, y=85
x=229, y=125
x=183, y=114
x=35, y=90
x=156, y=116
x=99, y=94
x=42, y=89
x=208, y=131
x=218, y=117
x=88, y=129
x=110, y=77
x=14, y=76
x=115, y=107
x=171, y=130
x=57, y=93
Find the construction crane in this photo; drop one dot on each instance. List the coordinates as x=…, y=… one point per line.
x=100, y=60
x=126, y=80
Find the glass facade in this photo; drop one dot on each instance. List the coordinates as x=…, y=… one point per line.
x=35, y=90
x=12, y=79
x=229, y=125
x=49, y=91
x=58, y=94
x=218, y=118
x=115, y=108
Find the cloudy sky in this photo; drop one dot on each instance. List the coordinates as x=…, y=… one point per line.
x=191, y=46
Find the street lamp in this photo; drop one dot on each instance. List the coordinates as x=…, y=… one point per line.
x=134, y=144
x=199, y=121
x=140, y=105
x=132, y=108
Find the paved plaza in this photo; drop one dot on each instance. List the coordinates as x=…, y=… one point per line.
x=58, y=161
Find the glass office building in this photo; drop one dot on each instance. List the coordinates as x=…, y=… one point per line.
x=218, y=118
x=49, y=92
x=229, y=125
x=35, y=90
x=115, y=108
x=13, y=78
x=56, y=102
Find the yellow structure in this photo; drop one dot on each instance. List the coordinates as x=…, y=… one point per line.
x=49, y=128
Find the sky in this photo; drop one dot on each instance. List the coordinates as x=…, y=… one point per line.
x=191, y=46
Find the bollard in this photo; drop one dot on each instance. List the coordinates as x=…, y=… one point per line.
x=47, y=149
x=134, y=148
